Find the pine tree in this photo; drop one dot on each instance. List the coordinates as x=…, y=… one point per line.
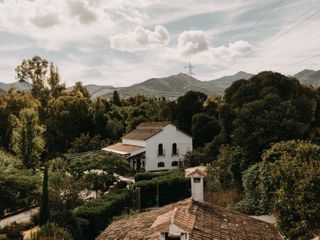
x=116, y=98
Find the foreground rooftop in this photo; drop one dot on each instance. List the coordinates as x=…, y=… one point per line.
x=200, y=220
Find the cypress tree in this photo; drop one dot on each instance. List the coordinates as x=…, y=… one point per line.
x=44, y=207
x=116, y=98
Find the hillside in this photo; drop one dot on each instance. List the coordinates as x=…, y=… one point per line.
x=97, y=90
x=226, y=81
x=177, y=85
x=309, y=77
x=172, y=86
x=15, y=85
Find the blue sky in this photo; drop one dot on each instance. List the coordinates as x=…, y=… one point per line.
x=122, y=42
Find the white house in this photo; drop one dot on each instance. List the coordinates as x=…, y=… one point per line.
x=154, y=146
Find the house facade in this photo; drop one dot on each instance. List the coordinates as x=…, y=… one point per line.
x=153, y=146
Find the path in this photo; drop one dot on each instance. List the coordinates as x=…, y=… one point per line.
x=23, y=217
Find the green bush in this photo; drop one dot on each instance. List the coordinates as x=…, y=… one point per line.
x=259, y=189
x=13, y=232
x=172, y=187
x=100, y=212
x=141, y=176
x=51, y=231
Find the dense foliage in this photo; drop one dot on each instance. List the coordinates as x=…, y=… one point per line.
x=100, y=212
x=51, y=231
x=164, y=189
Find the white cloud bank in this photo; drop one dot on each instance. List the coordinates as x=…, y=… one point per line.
x=140, y=39
x=192, y=42
x=195, y=41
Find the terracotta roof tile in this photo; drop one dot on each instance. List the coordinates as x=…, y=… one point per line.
x=152, y=125
x=202, y=221
x=125, y=148
x=142, y=134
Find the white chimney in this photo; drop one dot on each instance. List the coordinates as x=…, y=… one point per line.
x=196, y=175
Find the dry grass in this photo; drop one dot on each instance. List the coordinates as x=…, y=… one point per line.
x=223, y=198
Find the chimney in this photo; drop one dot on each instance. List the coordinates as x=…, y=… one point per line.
x=196, y=175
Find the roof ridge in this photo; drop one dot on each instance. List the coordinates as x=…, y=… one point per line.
x=173, y=215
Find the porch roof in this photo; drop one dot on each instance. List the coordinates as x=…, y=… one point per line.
x=125, y=149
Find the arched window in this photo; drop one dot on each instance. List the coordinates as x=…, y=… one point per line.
x=174, y=149
x=174, y=163
x=160, y=164
x=160, y=150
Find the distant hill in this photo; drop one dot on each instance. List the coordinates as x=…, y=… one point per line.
x=177, y=85
x=174, y=86
x=16, y=85
x=226, y=81
x=97, y=90
x=309, y=77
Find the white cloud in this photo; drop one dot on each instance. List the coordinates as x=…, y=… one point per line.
x=46, y=21
x=195, y=42
x=192, y=42
x=80, y=10
x=140, y=39
x=237, y=48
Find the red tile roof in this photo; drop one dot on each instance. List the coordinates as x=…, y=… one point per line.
x=197, y=171
x=124, y=148
x=201, y=221
x=145, y=130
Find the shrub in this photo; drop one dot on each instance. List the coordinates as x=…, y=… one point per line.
x=51, y=231
x=164, y=189
x=13, y=232
x=141, y=176
x=100, y=212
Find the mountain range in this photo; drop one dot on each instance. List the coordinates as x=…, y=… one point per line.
x=175, y=85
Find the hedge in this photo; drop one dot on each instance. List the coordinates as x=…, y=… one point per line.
x=172, y=187
x=100, y=212
x=142, y=176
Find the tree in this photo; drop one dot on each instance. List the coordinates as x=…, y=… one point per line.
x=204, y=129
x=268, y=108
x=27, y=138
x=85, y=143
x=108, y=162
x=116, y=98
x=11, y=103
x=297, y=205
x=79, y=88
x=19, y=188
x=44, y=205
x=67, y=117
x=56, y=88
x=188, y=105
x=44, y=79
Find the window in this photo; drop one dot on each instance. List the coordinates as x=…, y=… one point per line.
x=160, y=150
x=197, y=180
x=174, y=149
x=167, y=237
x=160, y=164
x=174, y=163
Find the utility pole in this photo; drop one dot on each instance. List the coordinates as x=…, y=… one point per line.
x=190, y=71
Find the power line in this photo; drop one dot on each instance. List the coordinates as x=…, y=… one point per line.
x=297, y=45
x=295, y=25
x=261, y=18
x=301, y=61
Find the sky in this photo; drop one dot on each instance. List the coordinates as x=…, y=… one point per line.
x=123, y=42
